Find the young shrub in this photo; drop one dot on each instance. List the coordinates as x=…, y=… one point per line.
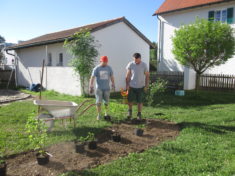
x=156, y=89
x=37, y=134
x=82, y=46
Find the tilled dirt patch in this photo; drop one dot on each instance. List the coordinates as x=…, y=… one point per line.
x=66, y=159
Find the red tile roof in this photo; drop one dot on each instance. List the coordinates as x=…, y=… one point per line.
x=62, y=35
x=175, y=5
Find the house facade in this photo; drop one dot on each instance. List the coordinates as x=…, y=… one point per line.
x=174, y=13
x=118, y=39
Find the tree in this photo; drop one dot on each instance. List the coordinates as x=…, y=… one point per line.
x=82, y=46
x=2, y=41
x=153, y=57
x=203, y=44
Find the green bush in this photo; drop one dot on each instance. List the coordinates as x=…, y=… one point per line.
x=156, y=89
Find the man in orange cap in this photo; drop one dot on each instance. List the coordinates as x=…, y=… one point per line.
x=103, y=74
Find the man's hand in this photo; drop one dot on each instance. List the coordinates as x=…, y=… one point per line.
x=113, y=87
x=146, y=89
x=91, y=89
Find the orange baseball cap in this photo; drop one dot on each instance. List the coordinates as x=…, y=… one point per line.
x=103, y=59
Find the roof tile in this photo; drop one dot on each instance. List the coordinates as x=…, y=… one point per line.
x=173, y=5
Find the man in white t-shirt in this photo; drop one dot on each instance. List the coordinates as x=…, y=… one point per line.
x=137, y=80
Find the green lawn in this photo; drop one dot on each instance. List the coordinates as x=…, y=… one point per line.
x=205, y=146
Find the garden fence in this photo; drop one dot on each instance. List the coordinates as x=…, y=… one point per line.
x=175, y=79
x=5, y=76
x=217, y=82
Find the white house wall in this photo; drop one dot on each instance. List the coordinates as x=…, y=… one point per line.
x=173, y=21
x=117, y=41
x=58, y=78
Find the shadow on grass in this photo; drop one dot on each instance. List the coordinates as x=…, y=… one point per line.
x=102, y=135
x=217, y=129
x=79, y=173
x=195, y=99
x=173, y=149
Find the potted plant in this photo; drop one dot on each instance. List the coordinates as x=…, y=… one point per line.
x=80, y=145
x=107, y=118
x=37, y=135
x=92, y=144
x=139, y=130
x=116, y=137
x=3, y=165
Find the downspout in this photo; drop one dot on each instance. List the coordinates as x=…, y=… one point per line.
x=16, y=64
x=46, y=64
x=159, y=39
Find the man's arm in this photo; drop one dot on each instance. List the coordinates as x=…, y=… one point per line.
x=128, y=78
x=146, y=79
x=113, y=83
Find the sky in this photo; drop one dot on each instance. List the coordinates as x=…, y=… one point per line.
x=26, y=19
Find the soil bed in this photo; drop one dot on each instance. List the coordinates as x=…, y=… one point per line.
x=66, y=159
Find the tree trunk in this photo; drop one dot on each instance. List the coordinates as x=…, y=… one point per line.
x=198, y=81
x=83, y=85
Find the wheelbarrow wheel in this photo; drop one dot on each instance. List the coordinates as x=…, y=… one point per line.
x=46, y=118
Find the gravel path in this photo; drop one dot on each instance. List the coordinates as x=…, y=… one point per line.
x=7, y=96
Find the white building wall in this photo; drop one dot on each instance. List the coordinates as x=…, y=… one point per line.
x=58, y=78
x=173, y=21
x=118, y=42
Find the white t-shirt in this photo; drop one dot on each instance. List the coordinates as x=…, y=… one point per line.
x=137, y=74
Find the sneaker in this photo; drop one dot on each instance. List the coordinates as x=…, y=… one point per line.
x=139, y=116
x=98, y=117
x=129, y=115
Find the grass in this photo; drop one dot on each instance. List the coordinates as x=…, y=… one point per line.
x=13, y=118
x=205, y=146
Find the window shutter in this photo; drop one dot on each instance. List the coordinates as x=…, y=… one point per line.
x=230, y=15
x=211, y=15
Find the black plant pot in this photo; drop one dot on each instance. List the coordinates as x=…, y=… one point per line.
x=3, y=169
x=80, y=147
x=92, y=145
x=116, y=137
x=138, y=132
x=107, y=118
x=42, y=159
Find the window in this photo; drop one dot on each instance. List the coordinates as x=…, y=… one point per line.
x=218, y=15
x=49, y=59
x=225, y=15
x=230, y=15
x=60, y=60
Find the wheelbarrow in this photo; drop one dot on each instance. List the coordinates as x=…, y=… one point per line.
x=59, y=110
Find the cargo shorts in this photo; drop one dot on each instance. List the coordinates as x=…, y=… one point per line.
x=102, y=96
x=136, y=95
